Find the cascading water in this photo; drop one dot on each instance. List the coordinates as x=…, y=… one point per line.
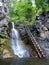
x=17, y=45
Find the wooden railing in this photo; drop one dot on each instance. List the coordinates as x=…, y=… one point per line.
x=34, y=42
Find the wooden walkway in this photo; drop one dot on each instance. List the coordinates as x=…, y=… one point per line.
x=34, y=42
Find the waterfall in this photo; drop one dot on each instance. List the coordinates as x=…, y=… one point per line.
x=17, y=45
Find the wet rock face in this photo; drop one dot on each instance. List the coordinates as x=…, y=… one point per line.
x=40, y=30
x=3, y=18
x=1, y=13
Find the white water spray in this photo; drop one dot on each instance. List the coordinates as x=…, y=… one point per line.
x=17, y=46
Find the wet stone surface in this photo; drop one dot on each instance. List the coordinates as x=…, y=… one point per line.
x=40, y=30
x=3, y=18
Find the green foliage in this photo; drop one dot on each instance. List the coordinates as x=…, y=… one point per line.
x=25, y=11
x=42, y=4
x=3, y=35
x=22, y=11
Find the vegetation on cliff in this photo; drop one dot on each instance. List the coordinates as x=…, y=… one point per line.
x=23, y=10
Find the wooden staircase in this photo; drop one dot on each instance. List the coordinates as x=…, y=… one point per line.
x=34, y=42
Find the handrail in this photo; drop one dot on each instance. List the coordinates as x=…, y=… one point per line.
x=34, y=42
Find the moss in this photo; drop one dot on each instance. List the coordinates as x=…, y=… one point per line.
x=6, y=45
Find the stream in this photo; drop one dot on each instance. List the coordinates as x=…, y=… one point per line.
x=24, y=61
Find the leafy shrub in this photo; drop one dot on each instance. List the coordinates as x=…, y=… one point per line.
x=25, y=11
x=22, y=11
x=42, y=4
